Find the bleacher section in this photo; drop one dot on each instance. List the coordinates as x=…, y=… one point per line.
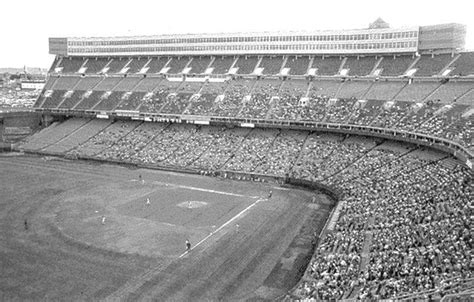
x=178, y=101
x=260, y=100
x=131, y=101
x=71, y=101
x=325, y=88
x=384, y=90
x=199, y=65
x=429, y=65
x=108, y=84
x=467, y=98
x=95, y=65
x=108, y=101
x=86, y=83
x=88, y=101
x=116, y=65
x=327, y=66
x=353, y=89
x=232, y=101
x=221, y=65
x=395, y=65
x=288, y=105
x=360, y=66
x=153, y=102
x=417, y=91
x=177, y=65
x=54, y=100
x=203, y=103
x=52, y=134
x=157, y=64
x=70, y=64
x=148, y=84
x=78, y=136
x=451, y=91
x=246, y=64
x=298, y=65
x=127, y=84
x=464, y=65
x=66, y=83
x=136, y=65
x=271, y=65
x=104, y=139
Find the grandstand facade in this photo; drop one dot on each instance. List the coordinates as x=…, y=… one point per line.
x=257, y=104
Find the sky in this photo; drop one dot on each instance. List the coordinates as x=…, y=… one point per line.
x=27, y=24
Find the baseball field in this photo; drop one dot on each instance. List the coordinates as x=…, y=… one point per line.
x=77, y=230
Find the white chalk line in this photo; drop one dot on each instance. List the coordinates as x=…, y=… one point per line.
x=222, y=226
x=201, y=189
x=213, y=191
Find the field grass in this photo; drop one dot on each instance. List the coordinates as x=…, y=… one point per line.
x=238, y=235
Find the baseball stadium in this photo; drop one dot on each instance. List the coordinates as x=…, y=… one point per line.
x=261, y=166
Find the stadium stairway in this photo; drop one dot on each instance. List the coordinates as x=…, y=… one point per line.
x=111, y=90
x=442, y=71
x=413, y=64
x=401, y=155
x=190, y=100
x=64, y=98
x=246, y=99
x=91, y=89
x=429, y=95
x=270, y=146
x=273, y=102
x=465, y=97
x=399, y=91
x=376, y=66
x=300, y=154
x=236, y=149
x=352, y=162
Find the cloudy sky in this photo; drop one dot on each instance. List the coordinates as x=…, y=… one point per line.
x=27, y=24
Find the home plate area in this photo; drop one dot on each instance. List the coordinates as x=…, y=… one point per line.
x=170, y=215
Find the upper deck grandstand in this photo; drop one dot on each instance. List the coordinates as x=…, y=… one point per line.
x=382, y=118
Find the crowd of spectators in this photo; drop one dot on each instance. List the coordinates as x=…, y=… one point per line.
x=408, y=220
x=17, y=99
x=104, y=139
x=260, y=101
x=252, y=150
x=233, y=100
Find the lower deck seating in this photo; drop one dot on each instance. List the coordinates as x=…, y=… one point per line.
x=52, y=134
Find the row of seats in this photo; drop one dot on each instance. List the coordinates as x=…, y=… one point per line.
x=397, y=65
x=402, y=224
x=461, y=91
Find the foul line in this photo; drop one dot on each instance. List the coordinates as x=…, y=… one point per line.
x=203, y=190
x=222, y=226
